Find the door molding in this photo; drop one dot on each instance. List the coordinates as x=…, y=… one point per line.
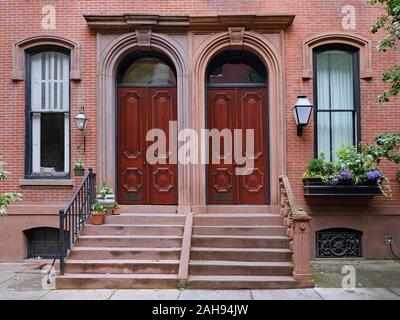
x=111, y=51
x=269, y=50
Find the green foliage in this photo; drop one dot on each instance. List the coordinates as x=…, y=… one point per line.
x=319, y=168
x=6, y=198
x=98, y=208
x=389, y=23
x=398, y=174
x=359, y=166
x=105, y=190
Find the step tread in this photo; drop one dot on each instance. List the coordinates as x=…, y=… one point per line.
x=138, y=225
x=241, y=227
x=223, y=249
x=121, y=261
x=239, y=237
x=127, y=249
x=124, y=236
x=240, y=263
x=149, y=215
x=236, y=215
x=220, y=278
x=118, y=276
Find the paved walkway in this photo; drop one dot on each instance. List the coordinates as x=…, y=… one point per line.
x=24, y=282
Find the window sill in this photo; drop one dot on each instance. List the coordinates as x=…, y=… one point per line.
x=46, y=182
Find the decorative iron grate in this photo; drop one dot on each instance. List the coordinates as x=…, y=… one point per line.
x=338, y=243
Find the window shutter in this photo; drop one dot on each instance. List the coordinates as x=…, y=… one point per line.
x=50, y=82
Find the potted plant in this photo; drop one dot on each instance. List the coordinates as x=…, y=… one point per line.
x=355, y=173
x=106, y=197
x=98, y=213
x=116, y=209
x=79, y=168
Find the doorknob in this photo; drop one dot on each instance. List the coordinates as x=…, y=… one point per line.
x=144, y=162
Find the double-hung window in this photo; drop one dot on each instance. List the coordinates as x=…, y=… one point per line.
x=337, y=100
x=48, y=108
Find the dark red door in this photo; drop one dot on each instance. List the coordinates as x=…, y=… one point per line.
x=238, y=109
x=139, y=110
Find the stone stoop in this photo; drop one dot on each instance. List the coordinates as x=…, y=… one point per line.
x=241, y=251
x=131, y=250
x=143, y=250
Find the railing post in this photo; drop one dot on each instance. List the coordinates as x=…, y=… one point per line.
x=301, y=248
x=61, y=239
x=91, y=188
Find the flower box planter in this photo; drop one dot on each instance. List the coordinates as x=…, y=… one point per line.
x=79, y=172
x=315, y=187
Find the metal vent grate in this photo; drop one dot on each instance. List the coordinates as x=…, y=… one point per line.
x=338, y=243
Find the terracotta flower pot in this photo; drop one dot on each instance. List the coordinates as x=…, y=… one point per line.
x=116, y=211
x=98, y=218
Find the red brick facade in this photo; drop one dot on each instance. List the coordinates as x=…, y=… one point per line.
x=21, y=19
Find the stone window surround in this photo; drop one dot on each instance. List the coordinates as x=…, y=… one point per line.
x=352, y=39
x=19, y=48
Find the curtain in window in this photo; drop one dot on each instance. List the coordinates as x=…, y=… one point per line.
x=335, y=94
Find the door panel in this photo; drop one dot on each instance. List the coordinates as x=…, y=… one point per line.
x=221, y=176
x=139, y=110
x=164, y=177
x=131, y=147
x=251, y=110
x=238, y=109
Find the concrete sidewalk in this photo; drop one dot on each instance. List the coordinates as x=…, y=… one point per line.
x=24, y=282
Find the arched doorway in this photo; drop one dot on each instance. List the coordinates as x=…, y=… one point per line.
x=237, y=99
x=146, y=93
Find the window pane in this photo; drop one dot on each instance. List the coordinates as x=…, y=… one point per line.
x=52, y=143
x=335, y=80
x=229, y=73
x=145, y=71
x=342, y=130
x=335, y=90
x=49, y=82
x=323, y=130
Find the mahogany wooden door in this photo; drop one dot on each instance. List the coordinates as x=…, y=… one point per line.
x=139, y=110
x=235, y=108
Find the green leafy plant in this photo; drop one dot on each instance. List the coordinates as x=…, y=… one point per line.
x=79, y=165
x=319, y=168
x=98, y=208
x=398, y=174
x=105, y=190
x=359, y=166
x=6, y=198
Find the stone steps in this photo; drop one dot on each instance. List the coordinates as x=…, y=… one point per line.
x=128, y=253
x=241, y=254
x=122, y=266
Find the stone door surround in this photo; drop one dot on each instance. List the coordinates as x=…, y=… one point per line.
x=190, y=42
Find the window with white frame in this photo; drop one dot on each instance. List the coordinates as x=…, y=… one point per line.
x=337, y=106
x=48, y=114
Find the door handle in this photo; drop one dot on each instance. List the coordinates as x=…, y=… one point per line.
x=144, y=162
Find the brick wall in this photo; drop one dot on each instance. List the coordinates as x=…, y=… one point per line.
x=20, y=19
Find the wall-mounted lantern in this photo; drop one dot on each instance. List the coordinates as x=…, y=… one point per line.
x=302, y=113
x=82, y=122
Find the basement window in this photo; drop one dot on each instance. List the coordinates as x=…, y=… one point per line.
x=338, y=243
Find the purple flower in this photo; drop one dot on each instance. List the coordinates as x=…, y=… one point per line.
x=373, y=175
x=345, y=175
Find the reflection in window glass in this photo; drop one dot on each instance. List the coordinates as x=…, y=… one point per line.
x=149, y=71
x=229, y=73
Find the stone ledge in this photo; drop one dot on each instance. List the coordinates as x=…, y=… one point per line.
x=47, y=182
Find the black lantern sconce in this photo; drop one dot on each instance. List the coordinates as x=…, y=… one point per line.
x=302, y=113
x=82, y=122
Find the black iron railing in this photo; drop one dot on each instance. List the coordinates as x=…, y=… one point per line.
x=74, y=216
